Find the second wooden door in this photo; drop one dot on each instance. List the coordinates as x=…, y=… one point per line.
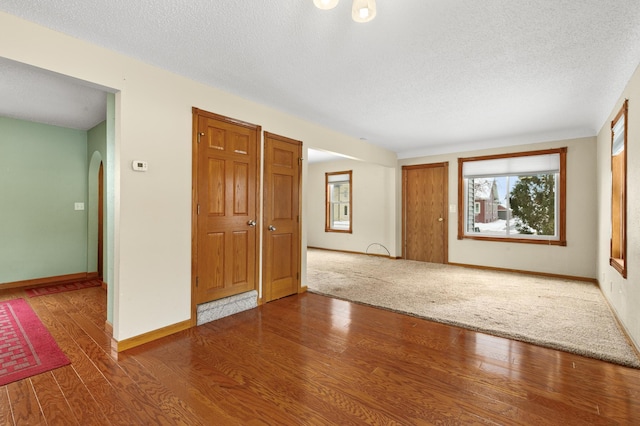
x=281, y=221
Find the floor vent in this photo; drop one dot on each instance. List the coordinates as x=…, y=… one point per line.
x=221, y=308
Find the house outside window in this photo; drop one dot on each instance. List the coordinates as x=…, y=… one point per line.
x=338, y=202
x=513, y=197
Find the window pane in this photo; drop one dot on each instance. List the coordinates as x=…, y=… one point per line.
x=340, y=205
x=533, y=203
x=338, y=202
x=514, y=206
x=489, y=200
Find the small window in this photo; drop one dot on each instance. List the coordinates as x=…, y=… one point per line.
x=513, y=197
x=619, y=191
x=338, y=201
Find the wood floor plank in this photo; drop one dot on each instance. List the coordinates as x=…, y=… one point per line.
x=341, y=379
x=116, y=409
x=55, y=408
x=24, y=404
x=85, y=408
x=341, y=384
x=6, y=416
x=89, y=316
x=324, y=404
x=190, y=393
x=309, y=359
x=233, y=393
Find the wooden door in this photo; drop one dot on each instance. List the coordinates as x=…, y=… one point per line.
x=281, y=224
x=424, y=195
x=226, y=160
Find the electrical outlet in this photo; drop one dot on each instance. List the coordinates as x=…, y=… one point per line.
x=78, y=206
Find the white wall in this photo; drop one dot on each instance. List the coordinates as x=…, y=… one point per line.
x=373, y=209
x=623, y=295
x=153, y=122
x=576, y=259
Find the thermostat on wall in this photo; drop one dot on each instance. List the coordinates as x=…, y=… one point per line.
x=139, y=165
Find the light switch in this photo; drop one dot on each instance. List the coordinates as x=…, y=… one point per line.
x=452, y=208
x=78, y=206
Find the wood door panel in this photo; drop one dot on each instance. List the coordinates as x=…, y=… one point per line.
x=216, y=188
x=240, y=261
x=283, y=184
x=213, y=262
x=240, y=144
x=282, y=158
x=281, y=255
x=424, y=212
x=216, y=138
x=226, y=159
x=282, y=245
x=240, y=189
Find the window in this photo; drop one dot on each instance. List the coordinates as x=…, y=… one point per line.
x=338, y=200
x=619, y=191
x=513, y=197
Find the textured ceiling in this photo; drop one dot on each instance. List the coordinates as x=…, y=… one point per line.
x=33, y=94
x=425, y=75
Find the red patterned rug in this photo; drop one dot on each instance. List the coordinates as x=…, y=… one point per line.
x=42, y=291
x=26, y=347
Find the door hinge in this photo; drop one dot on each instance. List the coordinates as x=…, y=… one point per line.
x=197, y=282
x=198, y=209
x=298, y=218
x=297, y=276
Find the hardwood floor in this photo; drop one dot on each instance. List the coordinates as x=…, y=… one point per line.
x=310, y=360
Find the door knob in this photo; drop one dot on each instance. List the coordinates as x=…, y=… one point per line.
x=440, y=219
x=251, y=223
x=272, y=228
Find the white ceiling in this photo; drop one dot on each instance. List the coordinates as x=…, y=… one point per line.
x=33, y=94
x=425, y=75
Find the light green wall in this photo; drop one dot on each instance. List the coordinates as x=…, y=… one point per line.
x=101, y=149
x=43, y=172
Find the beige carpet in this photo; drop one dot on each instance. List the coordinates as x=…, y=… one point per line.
x=572, y=316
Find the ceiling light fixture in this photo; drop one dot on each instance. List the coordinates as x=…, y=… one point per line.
x=325, y=4
x=361, y=11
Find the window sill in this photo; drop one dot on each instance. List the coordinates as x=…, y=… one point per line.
x=342, y=231
x=618, y=265
x=516, y=240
